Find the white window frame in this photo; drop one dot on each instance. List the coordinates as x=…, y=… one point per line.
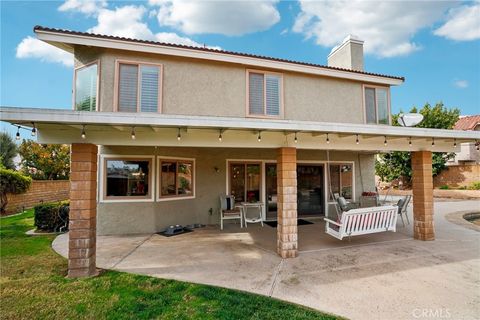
x=247, y=98
x=368, y=86
x=103, y=178
x=161, y=198
x=75, y=70
x=116, y=90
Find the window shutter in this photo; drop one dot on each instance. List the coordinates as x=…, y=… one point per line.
x=86, y=88
x=370, y=105
x=256, y=94
x=127, y=88
x=273, y=95
x=382, y=106
x=149, y=79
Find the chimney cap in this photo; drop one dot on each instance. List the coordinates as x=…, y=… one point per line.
x=349, y=38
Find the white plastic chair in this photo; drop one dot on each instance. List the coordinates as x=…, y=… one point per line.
x=228, y=210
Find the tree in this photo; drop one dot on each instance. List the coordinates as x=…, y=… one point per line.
x=397, y=164
x=12, y=182
x=8, y=150
x=45, y=161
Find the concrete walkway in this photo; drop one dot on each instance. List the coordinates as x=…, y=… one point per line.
x=382, y=276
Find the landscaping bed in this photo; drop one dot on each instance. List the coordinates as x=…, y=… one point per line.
x=33, y=286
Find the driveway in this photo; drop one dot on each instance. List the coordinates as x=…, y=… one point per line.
x=382, y=276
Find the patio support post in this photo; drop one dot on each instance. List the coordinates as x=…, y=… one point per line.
x=287, y=237
x=422, y=195
x=83, y=211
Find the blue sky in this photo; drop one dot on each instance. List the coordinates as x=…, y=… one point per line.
x=434, y=45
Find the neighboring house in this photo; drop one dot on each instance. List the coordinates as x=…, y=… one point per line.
x=464, y=169
x=468, y=153
x=178, y=126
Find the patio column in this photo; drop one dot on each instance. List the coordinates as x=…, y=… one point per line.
x=83, y=211
x=287, y=236
x=422, y=195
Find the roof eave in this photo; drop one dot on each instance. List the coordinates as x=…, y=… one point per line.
x=67, y=41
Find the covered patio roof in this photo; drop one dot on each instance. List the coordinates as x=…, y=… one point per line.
x=114, y=128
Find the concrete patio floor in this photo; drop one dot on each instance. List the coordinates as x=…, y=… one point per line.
x=382, y=276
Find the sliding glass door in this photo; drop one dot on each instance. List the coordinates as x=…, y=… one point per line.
x=310, y=190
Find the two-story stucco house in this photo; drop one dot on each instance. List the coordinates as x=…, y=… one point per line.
x=160, y=131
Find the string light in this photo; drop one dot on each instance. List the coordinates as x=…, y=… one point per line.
x=84, y=135
x=385, y=142
x=433, y=142
x=179, y=136
x=357, y=141
x=259, y=138
x=454, y=142
x=478, y=145
x=34, y=130
x=295, y=140
x=133, y=133
x=17, y=136
x=410, y=141
x=328, y=139
x=220, y=137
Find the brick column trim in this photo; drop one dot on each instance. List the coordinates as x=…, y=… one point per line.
x=287, y=236
x=83, y=211
x=422, y=184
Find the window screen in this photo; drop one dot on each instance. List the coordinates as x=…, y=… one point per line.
x=86, y=88
x=370, y=105
x=256, y=93
x=127, y=88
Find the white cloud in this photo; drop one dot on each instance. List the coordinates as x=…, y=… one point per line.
x=124, y=21
x=463, y=24
x=387, y=27
x=34, y=48
x=127, y=21
x=284, y=32
x=88, y=7
x=462, y=84
x=232, y=18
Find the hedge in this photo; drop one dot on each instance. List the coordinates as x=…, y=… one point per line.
x=52, y=216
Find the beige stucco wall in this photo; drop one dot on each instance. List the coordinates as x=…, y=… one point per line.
x=199, y=87
x=147, y=217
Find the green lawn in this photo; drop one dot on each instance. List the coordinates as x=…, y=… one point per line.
x=33, y=286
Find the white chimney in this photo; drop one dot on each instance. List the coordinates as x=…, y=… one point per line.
x=348, y=54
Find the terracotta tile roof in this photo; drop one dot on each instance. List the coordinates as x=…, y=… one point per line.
x=467, y=123
x=64, y=31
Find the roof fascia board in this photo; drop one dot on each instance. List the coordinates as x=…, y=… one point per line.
x=49, y=36
x=28, y=115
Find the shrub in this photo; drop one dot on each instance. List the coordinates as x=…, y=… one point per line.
x=474, y=186
x=12, y=182
x=445, y=187
x=52, y=216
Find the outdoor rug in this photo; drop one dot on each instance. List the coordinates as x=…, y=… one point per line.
x=300, y=222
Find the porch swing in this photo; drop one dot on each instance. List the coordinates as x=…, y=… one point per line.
x=359, y=221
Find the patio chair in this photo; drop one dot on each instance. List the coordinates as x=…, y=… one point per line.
x=228, y=210
x=402, y=208
x=257, y=217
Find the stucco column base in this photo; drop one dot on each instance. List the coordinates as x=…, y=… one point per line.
x=83, y=211
x=422, y=184
x=287, y=233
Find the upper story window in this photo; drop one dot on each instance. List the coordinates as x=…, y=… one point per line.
x=139, y=87
x=264, y=95
x=377, y=106
x=85, y=92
